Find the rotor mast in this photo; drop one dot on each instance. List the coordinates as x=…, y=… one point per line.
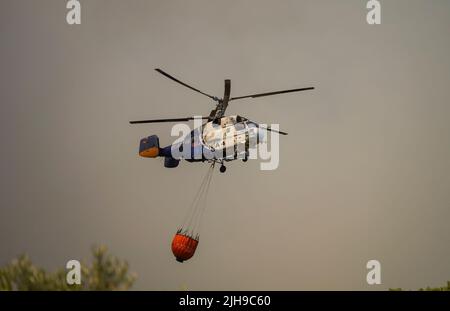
x=222, y=103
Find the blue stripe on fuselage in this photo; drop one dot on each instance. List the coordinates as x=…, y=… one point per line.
x=196, y=153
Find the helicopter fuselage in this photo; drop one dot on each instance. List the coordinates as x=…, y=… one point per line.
x=226, y=139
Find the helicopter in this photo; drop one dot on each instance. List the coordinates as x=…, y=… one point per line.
x=218, y=139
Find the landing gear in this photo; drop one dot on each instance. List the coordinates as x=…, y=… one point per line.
x=223, y=168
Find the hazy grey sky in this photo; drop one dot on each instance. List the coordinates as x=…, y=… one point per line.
x=364, y=173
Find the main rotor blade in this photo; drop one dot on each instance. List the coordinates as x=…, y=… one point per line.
x=273, y=93
x=165, y=120
x=186, y=85
x=266, y=128
x=271, y=130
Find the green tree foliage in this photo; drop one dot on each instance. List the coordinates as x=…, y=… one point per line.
x=106, y=272
x=442, y=288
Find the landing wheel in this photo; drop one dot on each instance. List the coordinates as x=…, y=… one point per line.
x=223, y=168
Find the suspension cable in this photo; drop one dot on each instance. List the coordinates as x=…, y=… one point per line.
x=195, y=212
